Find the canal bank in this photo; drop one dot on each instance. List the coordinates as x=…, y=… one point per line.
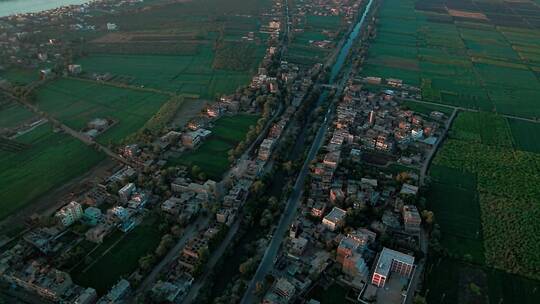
x=292, y=204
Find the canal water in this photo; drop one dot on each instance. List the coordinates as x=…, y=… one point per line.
x=11, y=7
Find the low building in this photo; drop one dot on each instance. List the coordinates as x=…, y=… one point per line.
x=116, y=294
x=408, y=189
x=92, y=216
x=88, y=296
x=266, y=149
x=98, y=233
x=335, y=219
x=391, y=261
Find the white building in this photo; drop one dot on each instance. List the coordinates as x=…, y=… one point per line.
x=70, y=213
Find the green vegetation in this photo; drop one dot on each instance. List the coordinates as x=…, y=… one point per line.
x=50, y=160
x=333, y=294
x=20, y=76
x=212, y=156
x=474, y=64
x=506, y=182
x=426, y=109
x=485, y=198
x=119, y=261
x=13, y=115
x=236, y=56
x=526, y=135
x=77, y=102
x=316, y=28
x=195, y=48
x=178, y=74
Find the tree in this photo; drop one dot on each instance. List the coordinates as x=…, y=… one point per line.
x=475, y=289
x=146, y=262
x=258, y=187
x=418, y=299
x=195, y=170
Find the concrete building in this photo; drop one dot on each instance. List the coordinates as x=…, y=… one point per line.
x=126, y=192
x=116, y=294
x=335, y=219
x=69, y=214
x=391, y=261
x=266, y=149
x=411, y=218
x=92, y=216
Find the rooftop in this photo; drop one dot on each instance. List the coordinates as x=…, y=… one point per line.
x=386, y=257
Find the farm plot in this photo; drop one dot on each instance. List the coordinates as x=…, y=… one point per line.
x=44, y=161
x=460, y=56
x=450, y=281
x=454, y=199
x=212, y=156
x=192, y=75
x=77, y=102
x=526, y=135
x=119, y=257
x=13, y=114
x=20, y=76
x=316, y=41
x=506, y=183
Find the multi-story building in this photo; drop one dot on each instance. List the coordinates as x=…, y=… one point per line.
x=70, y=213
x=411, y=218
x=335, y=219
x=126, y=191
x=391, y=261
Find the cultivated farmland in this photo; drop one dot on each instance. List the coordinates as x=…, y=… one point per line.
x=183, y=48
x=485, y=197
x=461, y=54
x=212, y=155
x=77, y=102
x=45, y=161
x=118, y=256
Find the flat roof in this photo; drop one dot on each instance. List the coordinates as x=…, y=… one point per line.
x=387, y=256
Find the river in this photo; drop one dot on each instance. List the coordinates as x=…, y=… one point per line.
x=11, y=7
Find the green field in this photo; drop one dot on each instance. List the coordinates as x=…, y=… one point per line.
x=20, y=76
x=212, y=155
x=178, y=74
x=526, y=135
x=13, y=115
x=485, y=198
x=506, y=182
x=471, y=64
x=77, y=102
x=449, y=283
x=122, y=259
x=179, y=47
x=316, y=28
x=426, y=109
x=50, y=160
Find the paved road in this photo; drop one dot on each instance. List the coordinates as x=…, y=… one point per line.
x=188, y=234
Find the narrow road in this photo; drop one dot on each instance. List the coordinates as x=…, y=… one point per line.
x=468, y=109
x=85, y=139
x=431, y=153
x=214, y=258
x=188, y=233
